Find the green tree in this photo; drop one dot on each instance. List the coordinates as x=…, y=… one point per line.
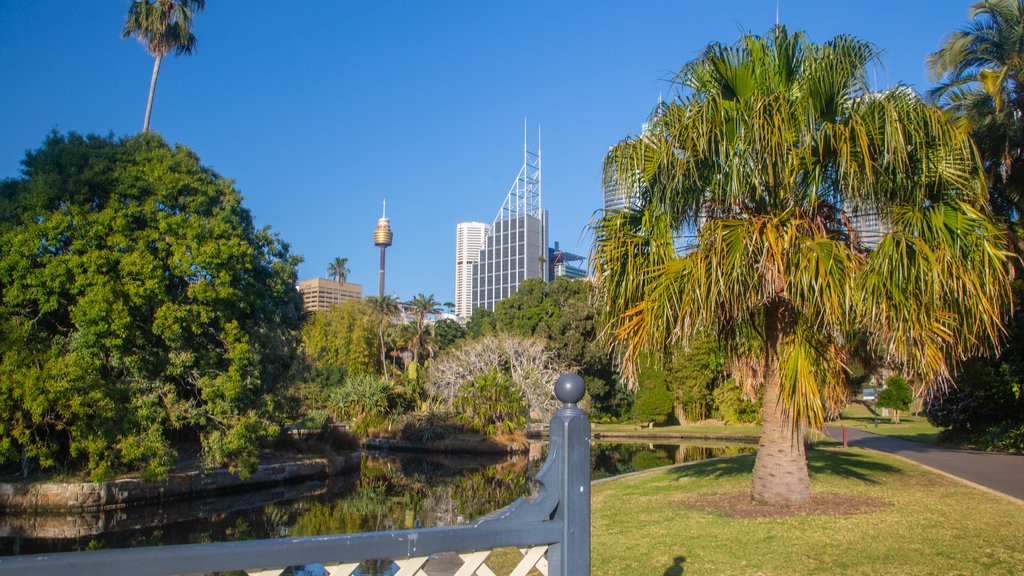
x=422, y=307
x=480, y=323
x=162, y=26
x=338, y=270
x=896, y=396
x=770, y=148
x=139, y=305
x=653, y=402
x=447, y=332
x=979, y=70
x=523, y=311
x=693, y=374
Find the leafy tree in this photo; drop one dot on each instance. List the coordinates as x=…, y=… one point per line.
x=139, y=306
x=447, y=332
x=732, y=405
x=772, y=146
x=480, y=323
x=653, y=400
x=896, y=396
x=344, y=336
x=338, y=270
x=162, y=26
x=522, y=312
x=979, y=70
x=693, y=374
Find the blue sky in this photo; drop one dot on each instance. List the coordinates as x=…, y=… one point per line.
x=321, y=110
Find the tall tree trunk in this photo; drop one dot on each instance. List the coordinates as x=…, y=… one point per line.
x=780, y=468
x=152, y=90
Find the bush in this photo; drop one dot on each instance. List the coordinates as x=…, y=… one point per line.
x=491, y=404
x=733, y=407
x=653, y=401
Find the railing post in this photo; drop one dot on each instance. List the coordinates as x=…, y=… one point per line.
x=570, y=429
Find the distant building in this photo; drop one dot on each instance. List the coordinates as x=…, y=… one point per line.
x=470, y=238
x=319, y=293
x=516, y=244
x=563, y=264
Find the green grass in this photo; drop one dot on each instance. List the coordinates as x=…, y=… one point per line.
x=732, y=430
x=927, y=523
x=916, y=428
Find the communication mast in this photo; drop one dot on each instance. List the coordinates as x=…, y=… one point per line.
x=382, y=237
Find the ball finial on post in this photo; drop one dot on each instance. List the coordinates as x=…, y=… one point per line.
x=569, y=388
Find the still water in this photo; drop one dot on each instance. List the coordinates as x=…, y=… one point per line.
x=392, y=491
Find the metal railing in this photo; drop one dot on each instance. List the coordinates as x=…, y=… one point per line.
x=552, y=530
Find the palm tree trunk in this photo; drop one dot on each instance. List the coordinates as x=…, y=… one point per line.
x=780, y=469
x=152, y=91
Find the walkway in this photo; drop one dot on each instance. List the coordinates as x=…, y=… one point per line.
x=1002, y=473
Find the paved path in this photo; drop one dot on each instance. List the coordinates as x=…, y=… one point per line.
x=1003, y=473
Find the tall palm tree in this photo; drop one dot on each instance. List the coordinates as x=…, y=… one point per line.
x=338, y=270
x=770, y=147
x=979, y=70
x=385, y=311
x=422, y=306
x=162, y=26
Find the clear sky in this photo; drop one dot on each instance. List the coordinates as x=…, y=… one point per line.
x=322, y=109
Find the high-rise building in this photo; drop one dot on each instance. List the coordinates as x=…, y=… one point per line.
x=469, y=240
x=516, y=246
x=319, y=293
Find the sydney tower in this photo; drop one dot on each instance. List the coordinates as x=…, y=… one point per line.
x=382, y=237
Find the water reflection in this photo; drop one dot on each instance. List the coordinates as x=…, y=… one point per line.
x=393, y=491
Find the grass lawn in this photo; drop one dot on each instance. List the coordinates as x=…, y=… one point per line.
x=632, y=429
x=896, y=518
x=916, y=428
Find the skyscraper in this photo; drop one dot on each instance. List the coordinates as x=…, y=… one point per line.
x=516, y=246
x=469, y=239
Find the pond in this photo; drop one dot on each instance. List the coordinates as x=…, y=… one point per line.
x=392, y=491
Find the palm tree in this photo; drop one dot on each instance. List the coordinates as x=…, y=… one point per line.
x=422, y=306
x=385, y=311
x=162, y=26
x=338, y=270
x=769, y=148
x=979, y=70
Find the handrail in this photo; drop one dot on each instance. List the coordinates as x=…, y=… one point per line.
x=558, y=517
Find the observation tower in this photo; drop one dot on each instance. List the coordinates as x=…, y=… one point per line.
x=382, y=237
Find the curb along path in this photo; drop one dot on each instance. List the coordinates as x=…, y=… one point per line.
x=997, y=472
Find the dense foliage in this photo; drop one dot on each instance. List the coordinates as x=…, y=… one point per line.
x=986, y=406
x=139, y=307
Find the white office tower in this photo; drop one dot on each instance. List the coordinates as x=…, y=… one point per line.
x=469, y=240
x=516, y=247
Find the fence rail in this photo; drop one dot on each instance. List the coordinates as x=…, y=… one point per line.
x=552, y=530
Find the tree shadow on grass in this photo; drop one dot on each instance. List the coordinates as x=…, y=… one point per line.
x=847, y=464
x=842, y=463
x=717, y=468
